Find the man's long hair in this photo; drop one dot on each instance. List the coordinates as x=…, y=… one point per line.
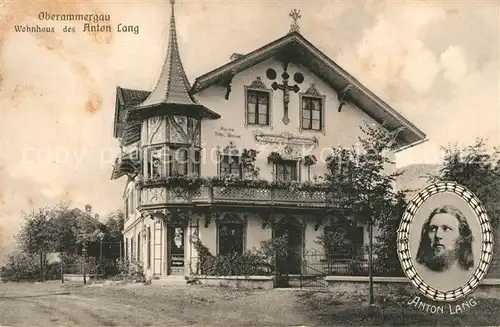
x=464, y=253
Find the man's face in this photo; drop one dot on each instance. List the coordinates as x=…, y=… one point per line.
x=443, y=233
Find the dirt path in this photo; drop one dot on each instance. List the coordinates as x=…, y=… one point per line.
x=138, y=305
x=75, y=310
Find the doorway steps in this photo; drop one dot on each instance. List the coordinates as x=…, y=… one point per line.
x=170, y=280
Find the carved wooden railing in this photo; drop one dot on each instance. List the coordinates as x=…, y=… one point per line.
x=235, y=195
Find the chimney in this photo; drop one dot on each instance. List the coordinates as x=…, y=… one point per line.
x=88, y=209
x=235, y=56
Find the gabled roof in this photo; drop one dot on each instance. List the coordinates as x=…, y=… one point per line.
x=171, y=94
x=125, y=99
x=296, y=48
x=85, y=215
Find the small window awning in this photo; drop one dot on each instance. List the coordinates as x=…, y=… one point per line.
x=131, y=134
x=129, y=163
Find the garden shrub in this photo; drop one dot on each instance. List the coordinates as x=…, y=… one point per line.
x=245, y=264
x=356, y=268
x=130, y=271
x=21, y=266
x=260, y=261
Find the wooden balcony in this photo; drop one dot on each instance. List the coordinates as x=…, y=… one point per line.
x=233, y=195
x=265, y=196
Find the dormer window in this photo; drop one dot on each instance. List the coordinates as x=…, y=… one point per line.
x=257, y=107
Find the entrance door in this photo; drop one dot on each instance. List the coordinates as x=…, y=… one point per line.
x=175, y=239
x=291, y=262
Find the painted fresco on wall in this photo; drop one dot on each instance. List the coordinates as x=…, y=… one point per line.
x=194, y=131
x=157, y=130
x=178, y=129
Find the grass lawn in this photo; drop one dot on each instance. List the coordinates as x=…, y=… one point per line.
x=110, y=304
x=345, y=310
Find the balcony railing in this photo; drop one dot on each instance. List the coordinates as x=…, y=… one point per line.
x=234, y=195
x=273, y=196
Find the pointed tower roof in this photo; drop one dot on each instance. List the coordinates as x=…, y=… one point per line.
x=171, y=95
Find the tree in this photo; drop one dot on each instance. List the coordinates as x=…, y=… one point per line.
x=387, y=262
x=37, y=234
x=71, y=232
x=473, y=167
x=113, y=239
x=65, y=238
x=360, y=188
x=88, y=230
x=477, y=169
x=114, y=226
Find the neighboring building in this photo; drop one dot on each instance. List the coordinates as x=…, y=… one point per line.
x=283, y=98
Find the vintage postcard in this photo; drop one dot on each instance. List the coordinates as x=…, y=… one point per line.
x=249, y=163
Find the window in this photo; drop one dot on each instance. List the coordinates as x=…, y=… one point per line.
x=126, y=249
x=230, y=165
x=131, y=205
x=156, y=163
x=126, y=208
x=178, y=161
x=359, y=241
x=138, y=246
x=149, y=247
x=132, y=257
x=312, y=113
x=230, y=237
x=196, y=163
x=257, y=107
x=342, y=243
x=173, y=160
x=286, y=171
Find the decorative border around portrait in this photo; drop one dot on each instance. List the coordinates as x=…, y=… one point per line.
x=404, y=249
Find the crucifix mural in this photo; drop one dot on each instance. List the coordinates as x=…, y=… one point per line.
x=298, y=77
x=286, y=88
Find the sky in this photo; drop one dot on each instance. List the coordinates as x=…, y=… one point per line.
x=435, y=63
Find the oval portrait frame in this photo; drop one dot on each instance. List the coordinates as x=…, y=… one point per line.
x=403, y=243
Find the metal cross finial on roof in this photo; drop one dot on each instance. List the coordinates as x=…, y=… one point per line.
x=295, y=14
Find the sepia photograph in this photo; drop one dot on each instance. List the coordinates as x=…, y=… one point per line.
x=445, y=241
x=249, y=163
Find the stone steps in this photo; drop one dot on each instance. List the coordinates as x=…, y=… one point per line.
x=170, y=280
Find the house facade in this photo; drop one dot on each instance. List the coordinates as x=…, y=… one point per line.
x=233, y=158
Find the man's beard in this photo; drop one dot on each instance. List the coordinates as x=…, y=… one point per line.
x=440, y=260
